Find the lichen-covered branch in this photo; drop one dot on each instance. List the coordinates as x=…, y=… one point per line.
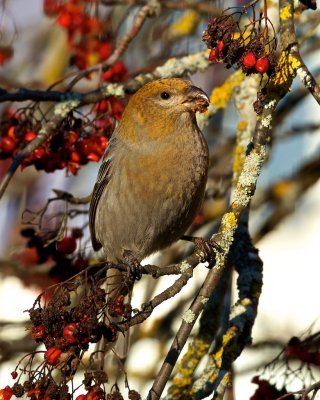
x=289, y=36
x=277, y=87
x=183, y=383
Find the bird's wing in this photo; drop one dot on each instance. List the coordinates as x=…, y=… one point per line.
x=101, y=183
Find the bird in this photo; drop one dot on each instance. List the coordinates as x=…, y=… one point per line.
x=152, y=178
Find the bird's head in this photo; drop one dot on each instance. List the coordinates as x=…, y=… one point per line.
x=160, y=104
x=173, y=94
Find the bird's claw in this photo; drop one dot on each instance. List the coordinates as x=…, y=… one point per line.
x=135, y=272
x=206, y=249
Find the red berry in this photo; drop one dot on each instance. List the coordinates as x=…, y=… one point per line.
x=68, y=332
x=221, y=45
x=14, y=374
x=39, y=153
x=7, y=144
x=52, y=355
x=6, y=393
x=249, y=60
x=30, y=136
x=119, y=68
x=75, y=156
x=105, y=50
x=262, y=65
x=214, y=54
x=93, y=157
x=81, y=397
x=11, y=132
x=95, y=393
x=67, y=245
x=64, y=20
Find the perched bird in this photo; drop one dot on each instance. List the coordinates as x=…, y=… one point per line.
x=152, y=179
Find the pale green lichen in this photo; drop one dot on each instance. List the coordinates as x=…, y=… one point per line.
x=185, y=65
x=237, y=310
x=113, y=89
x=266, y=121
x=271, y=104
x=248, y=178
x=184, y=266
x=63, y=109
x=251, y=169
x=188, y=317
x=204, y=300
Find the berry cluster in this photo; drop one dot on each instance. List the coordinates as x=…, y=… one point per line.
x=67, y=262
x=70, y=147
x=85, y=32
x=267, y=391
x=303, y=351
x=66, y=328
x=250, y=49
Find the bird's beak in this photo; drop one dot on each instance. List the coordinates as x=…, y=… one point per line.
x=196, y=100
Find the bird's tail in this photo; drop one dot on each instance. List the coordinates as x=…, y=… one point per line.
x=111, y=355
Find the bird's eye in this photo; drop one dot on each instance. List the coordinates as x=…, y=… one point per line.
x=165, y=95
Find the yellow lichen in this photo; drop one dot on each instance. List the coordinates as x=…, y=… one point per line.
x=281, y=82
x=246, y=36
x=239, y=157
x=183, y=379
x=229, y=335
x=221, y=95
x=245, y=302
x=242, y=125
x=285, y=12
x=184, y=26
x=229, y=221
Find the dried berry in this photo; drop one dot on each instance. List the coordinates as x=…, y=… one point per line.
x=77, y=233
x=38, y=332
x=17, y=390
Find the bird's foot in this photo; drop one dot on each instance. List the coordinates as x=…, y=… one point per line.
x=135, y=273
x=206, y=249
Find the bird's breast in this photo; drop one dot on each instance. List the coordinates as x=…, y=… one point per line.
x=171, y=169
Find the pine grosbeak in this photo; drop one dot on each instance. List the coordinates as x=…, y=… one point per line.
x=152, y=179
